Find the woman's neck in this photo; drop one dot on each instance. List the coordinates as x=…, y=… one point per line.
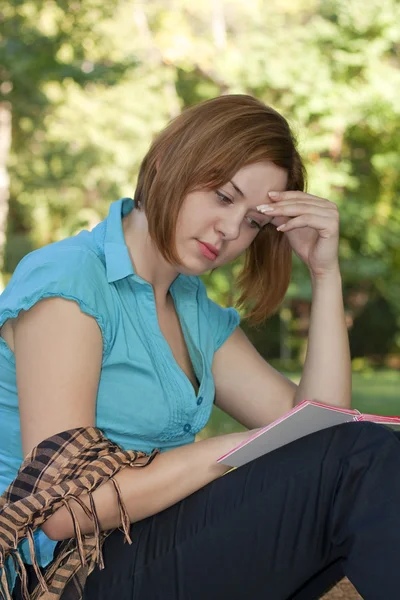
x=146, y=259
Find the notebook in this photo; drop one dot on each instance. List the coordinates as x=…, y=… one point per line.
x=305, y=418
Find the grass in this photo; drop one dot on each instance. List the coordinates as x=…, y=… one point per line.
x=376, y=392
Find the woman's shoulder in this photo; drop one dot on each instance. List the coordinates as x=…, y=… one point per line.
x=67, y=254
x=73, y=257
x=70, y=268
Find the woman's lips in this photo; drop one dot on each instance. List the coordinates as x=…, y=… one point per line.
x=206, y=251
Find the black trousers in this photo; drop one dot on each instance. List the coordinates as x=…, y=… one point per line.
x=288, y=525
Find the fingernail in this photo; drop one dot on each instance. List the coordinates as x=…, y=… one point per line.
x=273, y=194
x=265, y=207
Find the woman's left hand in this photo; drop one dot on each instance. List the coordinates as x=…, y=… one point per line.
x=311, y=225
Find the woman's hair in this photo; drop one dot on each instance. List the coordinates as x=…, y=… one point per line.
x=204, y=147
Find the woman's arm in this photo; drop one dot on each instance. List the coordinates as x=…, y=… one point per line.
x=169, y=478
x=254, y=393
x=58, y=352
x=327, y=369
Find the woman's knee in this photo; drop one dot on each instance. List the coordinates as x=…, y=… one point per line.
x=359, y=435
x=367, y=428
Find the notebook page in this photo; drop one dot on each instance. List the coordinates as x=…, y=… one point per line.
x=309, y=418
x=392, y=422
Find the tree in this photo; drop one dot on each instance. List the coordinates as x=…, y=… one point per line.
x=102, y=79
x=45, y=47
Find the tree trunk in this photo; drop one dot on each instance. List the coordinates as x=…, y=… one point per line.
x=5, y=143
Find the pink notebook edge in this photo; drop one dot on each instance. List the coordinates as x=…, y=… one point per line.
x=358, y=416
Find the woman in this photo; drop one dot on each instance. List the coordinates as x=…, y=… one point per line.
x=113, y=328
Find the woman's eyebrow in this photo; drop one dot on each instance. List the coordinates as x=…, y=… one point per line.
x=239, y=191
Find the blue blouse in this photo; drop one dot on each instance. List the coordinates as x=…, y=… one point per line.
x=144, y=399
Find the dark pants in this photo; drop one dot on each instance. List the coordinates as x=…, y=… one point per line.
x=288, y=525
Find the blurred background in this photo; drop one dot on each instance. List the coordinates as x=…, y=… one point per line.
x=85, y=85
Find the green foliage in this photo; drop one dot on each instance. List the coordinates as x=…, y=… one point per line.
x=90, y=83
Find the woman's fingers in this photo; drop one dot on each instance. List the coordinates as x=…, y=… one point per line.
x=293, y=196
x=326, y=226
x=295, y=209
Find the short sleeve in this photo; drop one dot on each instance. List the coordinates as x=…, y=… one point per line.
x=68, y=272
x=221, y=321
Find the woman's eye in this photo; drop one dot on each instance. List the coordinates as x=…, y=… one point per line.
x=254, y=224
x=224, y=199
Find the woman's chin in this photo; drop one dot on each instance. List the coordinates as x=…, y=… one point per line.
x=196, y=268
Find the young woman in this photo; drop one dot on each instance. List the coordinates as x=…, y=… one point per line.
x=114, y=328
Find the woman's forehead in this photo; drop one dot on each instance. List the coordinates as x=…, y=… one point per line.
x=263, y=176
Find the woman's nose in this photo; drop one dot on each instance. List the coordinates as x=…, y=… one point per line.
x=230, y=228
x=229, y=224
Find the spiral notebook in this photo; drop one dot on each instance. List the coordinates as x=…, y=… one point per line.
x=305, y=418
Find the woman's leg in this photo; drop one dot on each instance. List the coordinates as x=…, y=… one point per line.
x=321, y=582
x=325, y=580
x=273, y=527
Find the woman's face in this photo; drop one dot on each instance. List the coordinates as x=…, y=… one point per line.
x=226, y=218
